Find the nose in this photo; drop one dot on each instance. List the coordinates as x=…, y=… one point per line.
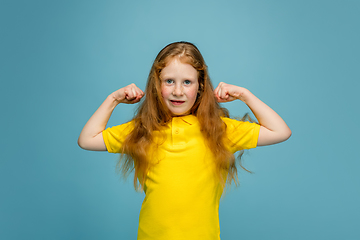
x=178, y=90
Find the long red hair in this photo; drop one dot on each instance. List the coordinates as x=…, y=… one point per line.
x=153, y=114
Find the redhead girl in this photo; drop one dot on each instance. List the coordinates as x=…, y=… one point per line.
x=181, y=143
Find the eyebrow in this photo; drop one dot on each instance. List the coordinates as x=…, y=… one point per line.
x=163, y=77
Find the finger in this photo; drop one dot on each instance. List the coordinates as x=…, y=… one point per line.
x=132, y=94
x=222, y=90
x=139, y=93
x=219, y=91
x=129, y=94
x=142, y=94
x=126, y=94
x=219, y=87
x=223, y=93
x=128, y=90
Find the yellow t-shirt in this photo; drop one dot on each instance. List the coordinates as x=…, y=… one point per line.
x=182, y=192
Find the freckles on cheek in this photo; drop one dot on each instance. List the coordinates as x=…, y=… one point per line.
x=163, y=93
x=194, y=93
x=162, y=90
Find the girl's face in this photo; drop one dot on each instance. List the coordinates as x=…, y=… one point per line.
x=179, y=86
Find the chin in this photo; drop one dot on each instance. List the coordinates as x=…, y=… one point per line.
x=179, y=114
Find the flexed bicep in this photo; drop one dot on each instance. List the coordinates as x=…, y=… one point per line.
x=91, y=135
x=95, y=143
x=269, y=137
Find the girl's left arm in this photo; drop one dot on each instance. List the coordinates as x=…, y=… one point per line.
x=273, y=128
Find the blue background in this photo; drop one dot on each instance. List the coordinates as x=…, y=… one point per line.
x=60, y=59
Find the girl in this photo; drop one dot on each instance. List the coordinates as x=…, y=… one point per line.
x=181, y=143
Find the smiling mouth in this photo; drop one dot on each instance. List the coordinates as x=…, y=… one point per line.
x=176, y=102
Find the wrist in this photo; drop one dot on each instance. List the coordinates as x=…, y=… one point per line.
x=244, y=95
x=113, y=100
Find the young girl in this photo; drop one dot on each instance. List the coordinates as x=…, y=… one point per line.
x=181, y=143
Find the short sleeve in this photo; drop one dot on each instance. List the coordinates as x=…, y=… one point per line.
x=241, y=135
x=114, y=137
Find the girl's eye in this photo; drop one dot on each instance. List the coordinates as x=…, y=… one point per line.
x=187, y=82
x=169, y=81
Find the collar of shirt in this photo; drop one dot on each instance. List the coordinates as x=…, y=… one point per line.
x=189, y=119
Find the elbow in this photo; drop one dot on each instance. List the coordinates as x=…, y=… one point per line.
x=92, y=144
x=81, y=143
x=283, y=135
x=287, y=134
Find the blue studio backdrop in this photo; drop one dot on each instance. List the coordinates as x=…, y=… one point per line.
x=60, y=59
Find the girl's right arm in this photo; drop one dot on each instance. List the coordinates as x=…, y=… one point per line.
x=91, y=135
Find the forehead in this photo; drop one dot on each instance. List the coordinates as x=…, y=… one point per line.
x=180, y=57
x=175, y=67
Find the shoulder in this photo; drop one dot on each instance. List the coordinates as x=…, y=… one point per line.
x=122, y=129
x=115, y=136
x=232, y=124
x=241, y=134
